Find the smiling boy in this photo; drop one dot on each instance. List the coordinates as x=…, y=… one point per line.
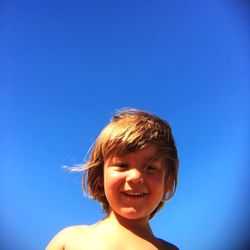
x=134, y=184
x=132, y=172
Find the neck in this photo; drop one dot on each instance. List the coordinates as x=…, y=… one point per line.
x=140, y=227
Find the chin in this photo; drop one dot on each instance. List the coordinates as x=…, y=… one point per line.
x=132, y=214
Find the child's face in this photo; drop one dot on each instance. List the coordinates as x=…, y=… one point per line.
x=134, y=184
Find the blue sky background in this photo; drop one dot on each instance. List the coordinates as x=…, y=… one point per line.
x=66, y=66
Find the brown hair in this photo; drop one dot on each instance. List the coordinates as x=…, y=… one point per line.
x=130, y=130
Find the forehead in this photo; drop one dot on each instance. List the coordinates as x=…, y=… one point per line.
x=148, y=153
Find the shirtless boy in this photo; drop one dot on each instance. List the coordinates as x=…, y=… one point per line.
x=132, y=171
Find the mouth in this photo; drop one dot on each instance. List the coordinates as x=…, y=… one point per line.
x=134, y=194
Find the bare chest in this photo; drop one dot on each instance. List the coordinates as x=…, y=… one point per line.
x=110, y=242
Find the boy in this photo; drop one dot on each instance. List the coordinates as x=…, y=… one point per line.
x=132, y=172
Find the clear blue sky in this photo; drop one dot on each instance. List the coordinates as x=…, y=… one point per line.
x=66, y=66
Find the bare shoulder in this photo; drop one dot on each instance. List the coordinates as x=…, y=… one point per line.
x=66, y=236
x=167, y=246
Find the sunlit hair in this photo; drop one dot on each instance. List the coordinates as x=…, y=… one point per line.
x=128, y=131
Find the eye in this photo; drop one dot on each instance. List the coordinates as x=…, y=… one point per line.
x=120, y=165
x=151, y=168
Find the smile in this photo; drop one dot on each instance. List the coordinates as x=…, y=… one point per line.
x=134, y=194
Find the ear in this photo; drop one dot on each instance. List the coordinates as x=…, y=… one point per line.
x=167, y=188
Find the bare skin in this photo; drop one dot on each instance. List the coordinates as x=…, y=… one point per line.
x=111, y=233
x=134, y=185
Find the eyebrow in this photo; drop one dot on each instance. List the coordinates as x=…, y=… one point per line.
x=156, y=157
x=151, y=159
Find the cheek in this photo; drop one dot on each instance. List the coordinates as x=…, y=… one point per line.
x=158, y=177
x=158, y=183
x=112, y=180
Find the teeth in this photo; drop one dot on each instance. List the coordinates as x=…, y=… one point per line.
x=134, y=194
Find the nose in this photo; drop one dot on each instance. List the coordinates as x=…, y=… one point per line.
x=134, y=176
